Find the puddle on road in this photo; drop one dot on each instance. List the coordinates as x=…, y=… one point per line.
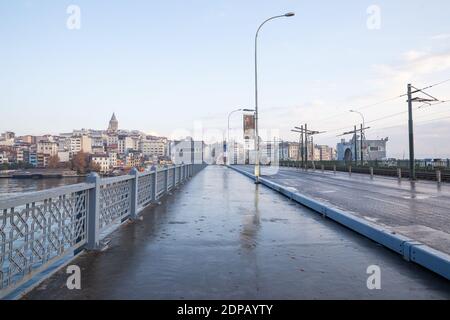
x=371, y=219
x=418, y=197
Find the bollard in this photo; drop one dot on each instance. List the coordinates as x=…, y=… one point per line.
x=399, y=173
x=371, y=172
x=323, y=168
x=439, y=176
x=334, y=169
x=350, y=170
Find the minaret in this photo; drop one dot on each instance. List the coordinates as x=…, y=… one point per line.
x=113, y=124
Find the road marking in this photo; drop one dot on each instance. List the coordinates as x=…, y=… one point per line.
x=389, y=202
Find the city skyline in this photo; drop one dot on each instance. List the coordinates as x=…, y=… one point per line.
x=187, y=68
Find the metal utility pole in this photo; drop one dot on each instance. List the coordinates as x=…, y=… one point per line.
x=305, y=133
x=355, y=133
x=412, y=160
x=301, y=146
x=412, y=164
x=306, y=146
x=362, y=134
x=362, y=150
x=356, y=146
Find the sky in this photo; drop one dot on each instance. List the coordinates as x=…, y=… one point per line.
x=173, y=67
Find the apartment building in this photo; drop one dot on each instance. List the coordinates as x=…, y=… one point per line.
x=47, y=147
x=102, y=160
x=80, y=143
x=124, y=144
x=152, y=147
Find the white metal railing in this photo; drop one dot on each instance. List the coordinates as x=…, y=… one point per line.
x=38, y=228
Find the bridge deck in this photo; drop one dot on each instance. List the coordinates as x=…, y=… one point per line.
x=221, y=237
x=420, y=211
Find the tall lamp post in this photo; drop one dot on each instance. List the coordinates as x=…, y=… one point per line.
x=362, y=134
x=228, y=132
x=257, y=168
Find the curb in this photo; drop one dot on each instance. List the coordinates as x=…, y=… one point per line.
x=410, y=249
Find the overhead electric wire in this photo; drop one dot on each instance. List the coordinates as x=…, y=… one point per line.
x=434, y=85
x=388, y=100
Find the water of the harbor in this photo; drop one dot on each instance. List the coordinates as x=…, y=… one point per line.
x=13, y=187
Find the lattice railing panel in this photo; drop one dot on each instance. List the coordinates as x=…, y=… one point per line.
x=161, y=183
x=32, y=234
x=178, y=175
x=170, y=171
x=145, y=189
x=115, y=202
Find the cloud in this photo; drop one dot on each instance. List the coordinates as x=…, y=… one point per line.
x=443, y=36
x=413, y=55
x=414, y=66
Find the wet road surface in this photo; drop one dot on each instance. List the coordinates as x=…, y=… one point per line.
x=420, y=211
x=221, y=237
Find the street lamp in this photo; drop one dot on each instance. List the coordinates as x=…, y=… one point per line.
x=228, y=132
x=257, y=168
x=362, y=116
x=362, y=134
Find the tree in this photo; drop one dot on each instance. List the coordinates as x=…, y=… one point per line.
x=80, y=163
x=94, y=167
x=53, y=162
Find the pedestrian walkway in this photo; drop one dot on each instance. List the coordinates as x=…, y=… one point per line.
x=223, y=237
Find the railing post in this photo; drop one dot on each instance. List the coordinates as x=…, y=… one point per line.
x=166, y=168
x=175, y=176
x=155, y=184
x=93, y=219
x=134, y=193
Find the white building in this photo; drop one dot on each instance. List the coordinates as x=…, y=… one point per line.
x=80, y=143
x=112, y=140
x=47, y=148
x=3, y=157
x=102, y=160
x=124, y=144
x=187, y=151
x=64, y=156
x=112, y=159
x=153, y=147
x=6, y=142
x=20, y=155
